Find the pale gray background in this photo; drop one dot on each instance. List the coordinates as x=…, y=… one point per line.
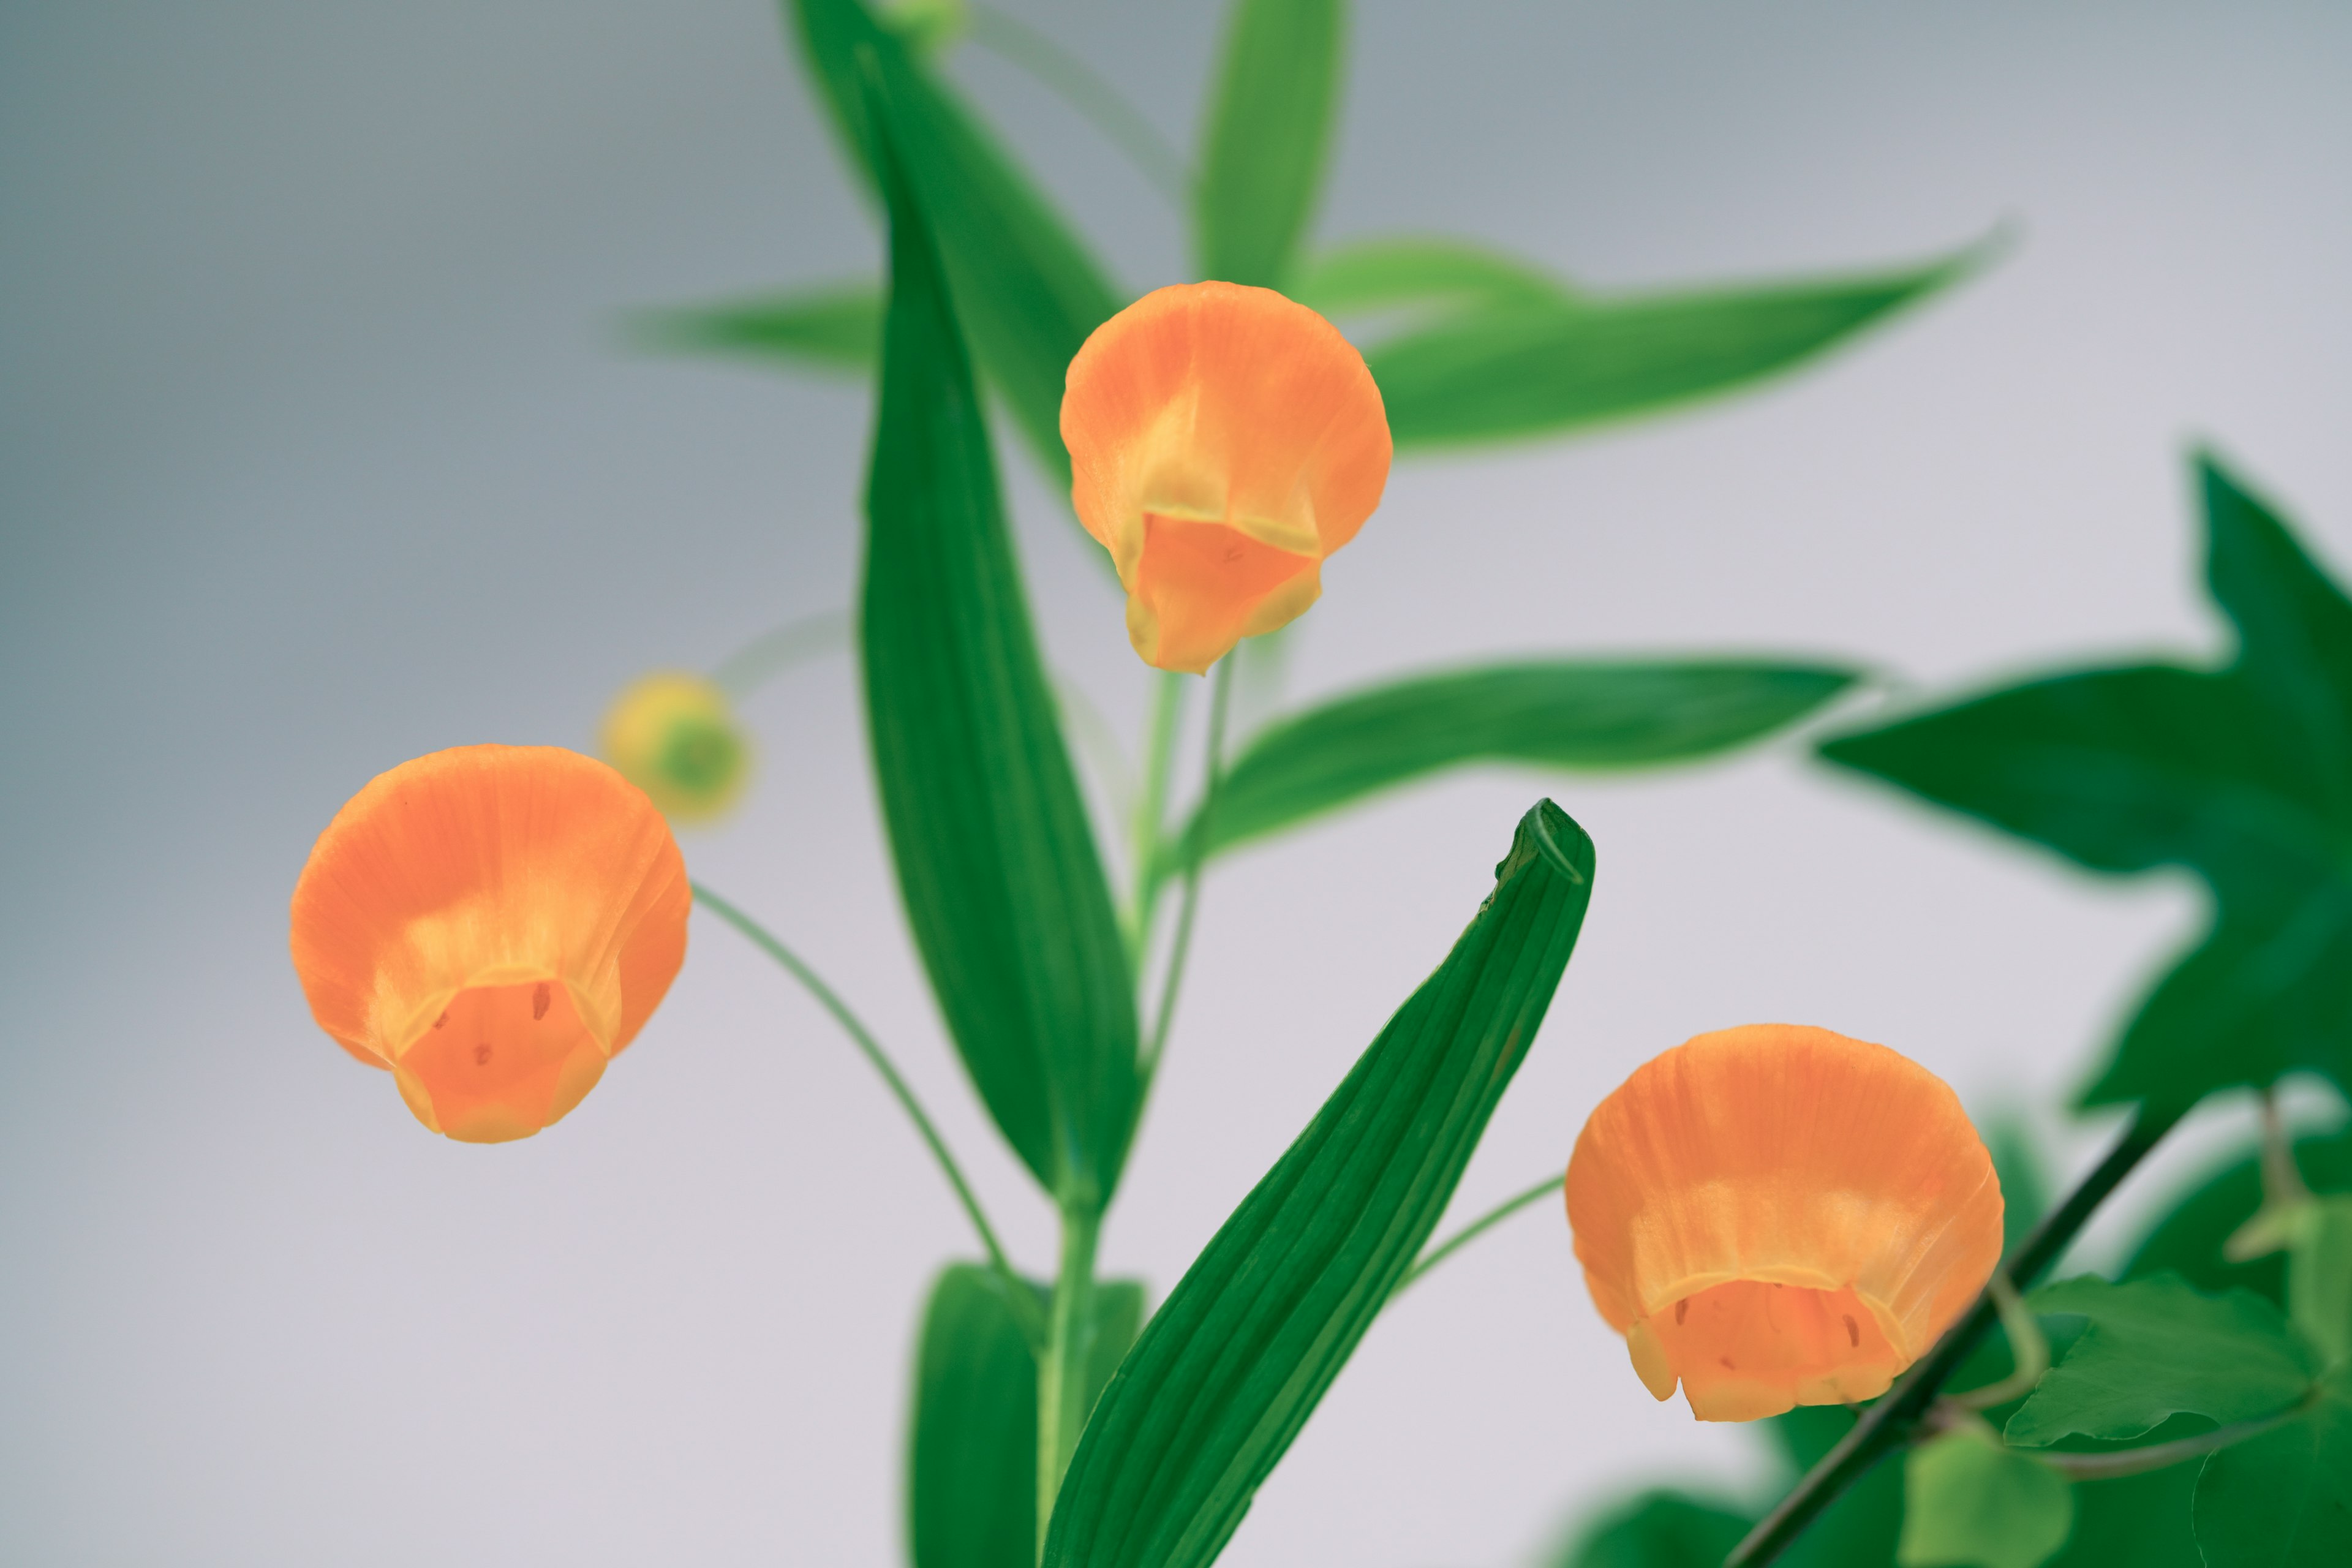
x=317, y=450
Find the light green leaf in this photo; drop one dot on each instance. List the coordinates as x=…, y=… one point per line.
x=1407, y=271
x=1024, y=287
x=2319, y=1277
x=1968, y=1502
x=2241, y=774
x=835, y=327
x=1265, y=138
x=1659, y=1529
x=2154, y=1349
x=1232, y=1366
x=2283, y=1500
x=1537, y=369
x=1590, y=715
x=971, y=1461
x=997, y=863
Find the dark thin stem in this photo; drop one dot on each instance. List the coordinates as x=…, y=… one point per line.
x=1096, y=99
x=1474, y=1229
x=1888, y=1425
x=1022, y=1300
x=771, y=654
x=1219, y=699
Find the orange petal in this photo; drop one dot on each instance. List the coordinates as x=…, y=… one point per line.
x=1223, y=441
x=1781, y=1216
x=493, y=923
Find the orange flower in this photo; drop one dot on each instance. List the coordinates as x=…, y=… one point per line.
x=1223, y=442
x=492, y=924
x=1780, y=1215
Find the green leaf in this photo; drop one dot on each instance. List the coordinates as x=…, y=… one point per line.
x=996, y=860
x=972, y=1462
x=2134, y=1521
x=1024, y=287
x=1968, y=1502
x=2025, y=1176
x=1565, y=714
x=2244, y=775
x=836, y=327
x=2154, y=1349
x=1659, y=1529
x=1384, y=273
x=1231, y=1367
x=1538, y=368
x=2188, y=1240
x=2319, y=1279
x=2283, y=1500
x=1267, y=137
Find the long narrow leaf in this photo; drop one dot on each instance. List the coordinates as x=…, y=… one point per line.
x=1232, y=1366
x=1533, y=369
x=1563, y=714
x=1024, y=287
x=1268, y=134
x=996, y=861
x=1422, y=270
x=836, y=327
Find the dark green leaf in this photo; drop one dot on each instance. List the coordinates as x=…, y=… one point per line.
x=1231, y=1367
x=835, y=328
x=2283, y=1500
x=972, y=1463
x=1536, y=368
x=2188, y=1240
x=2024, y=1177
x=2243, y=775
x=1024, y=287
x=2135, y=1522
x=1265, y=138
x=1385, y=274
x=1968, y=1502
x=996, y=859
x=2154, y=1349
x=1568, y=714
x=1659, y=1529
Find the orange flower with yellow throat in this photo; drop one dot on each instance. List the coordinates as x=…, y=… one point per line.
x=492, y=924
x=1222, y=440
x=1777, y=1215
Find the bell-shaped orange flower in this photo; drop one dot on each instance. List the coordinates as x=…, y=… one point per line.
x=1223, y=441
x=1778, y=1215
x=674, y=736
x=492, y=924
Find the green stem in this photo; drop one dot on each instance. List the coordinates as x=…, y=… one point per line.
x=1474, y=1229
x=771, y=653
x=1018, y=1294
x=2161, y=1456
x=2029, y=1350
x=1096, y=99
x=1062, y=1369
x=1889, y=1423
x=1152, y=811
x=1220, y=704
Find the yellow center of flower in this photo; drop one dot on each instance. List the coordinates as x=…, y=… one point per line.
x=500, y=1061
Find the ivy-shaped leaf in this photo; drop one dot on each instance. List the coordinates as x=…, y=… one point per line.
x=1968, y=1502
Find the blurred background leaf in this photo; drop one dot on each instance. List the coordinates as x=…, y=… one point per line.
x=1968, y=1502
x=996, y=860
x=1659, y=1529
x=972, y=1459
x=2188, y=1240
x=831, y=327
x=1267, y=137
x=2244, y=775
x=1231, y=1367
x=1418, y=270
x=2283, y=1500
x=1025, y=287
x=1595, y=714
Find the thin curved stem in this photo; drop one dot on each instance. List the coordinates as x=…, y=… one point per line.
x=1219, y=700
x=2029, y=1350
x=771, y=653
x=1018, y=1294
x=1474, y=1229
x=1079, y=86
x=1151, y=814
x=1889, y=1423
x=2161, y=1456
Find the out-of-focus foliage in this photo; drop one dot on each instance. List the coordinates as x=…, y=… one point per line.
x=1582, y=714
x=1658, y=1530
x=2283, y=1500
x=1423, y=272
x=2188, y=1240
x=1230, y=1368
x=835, y=327
x=2319, y=1290
x=2242, y=774
x=1267, y=138
x=971, y=1457
x=1971, y=1502
x=996, y=859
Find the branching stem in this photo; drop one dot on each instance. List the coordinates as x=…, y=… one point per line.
x=1474, y=1229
